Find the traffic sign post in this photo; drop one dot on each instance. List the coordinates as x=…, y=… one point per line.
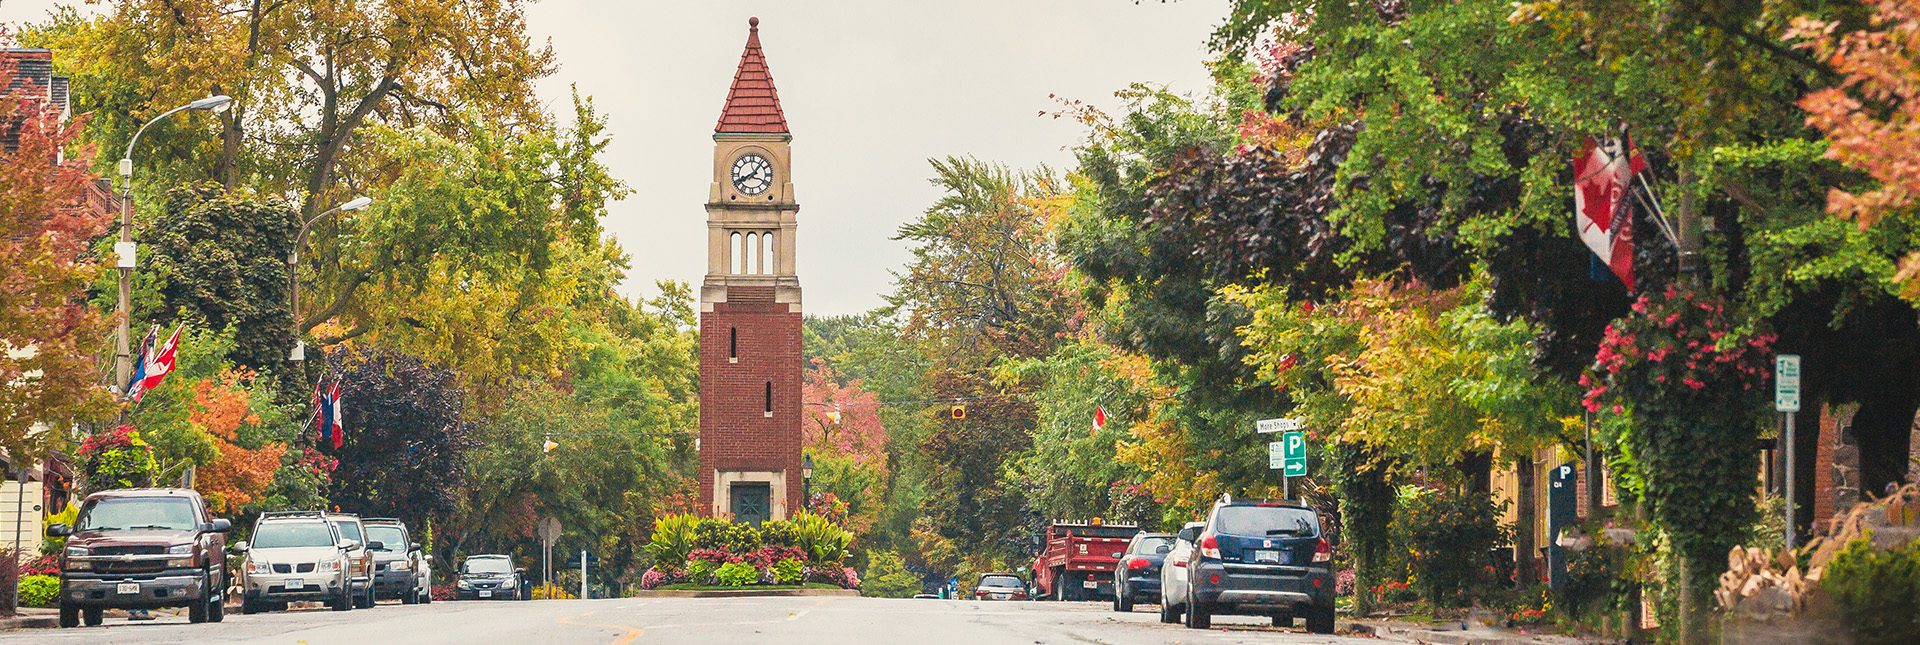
x=1786, y=401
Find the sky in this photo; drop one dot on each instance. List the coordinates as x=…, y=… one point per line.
x=872, y=89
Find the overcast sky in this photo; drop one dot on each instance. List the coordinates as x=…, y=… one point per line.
x=871, y=89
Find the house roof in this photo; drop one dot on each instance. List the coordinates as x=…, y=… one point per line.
x=753, y=106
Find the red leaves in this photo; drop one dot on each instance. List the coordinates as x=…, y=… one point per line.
x=1693, y=330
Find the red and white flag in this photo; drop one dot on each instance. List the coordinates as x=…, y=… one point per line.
x=1603, y=210
x=1099, y=418
x=156, y=364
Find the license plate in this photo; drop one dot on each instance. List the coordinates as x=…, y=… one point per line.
x=296, y=583
x=1001, y=596
x=128, y=588
x=486, y=594
x=1091, y=584
x=1263, y=555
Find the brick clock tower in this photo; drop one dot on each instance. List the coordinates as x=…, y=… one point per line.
x=750, y=307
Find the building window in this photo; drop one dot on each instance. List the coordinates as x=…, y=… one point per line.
x=733, y=344
x=769, y=406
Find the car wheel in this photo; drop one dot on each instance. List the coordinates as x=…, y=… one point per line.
x=249, y=607
x=69, y=615
x=426, y=596
x=197, y=612
x=410, y=597
x=344, y=601
x=1122, y=602
x=1169, y=612
x=94, y=616
x=1199, y=615
x=1283, y=620
x=372, y=598
x=1320, y=620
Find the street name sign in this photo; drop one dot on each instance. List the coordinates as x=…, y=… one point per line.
x=1270, y=426
x=1786, y=383
x=1294, y=454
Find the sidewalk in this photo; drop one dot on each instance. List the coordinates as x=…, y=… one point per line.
x=1450, y=633
x=31, y=618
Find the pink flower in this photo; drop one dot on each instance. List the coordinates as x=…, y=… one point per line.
x=1693, y=383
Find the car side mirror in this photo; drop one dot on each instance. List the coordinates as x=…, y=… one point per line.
x=59, y=530
x=241, y=547
x=377, y=545
x=413, y=546
x=348, y=545
x=220, y=525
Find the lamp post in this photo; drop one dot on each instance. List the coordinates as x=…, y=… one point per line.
x=806, y=480
x=122, y=355
x=299, y=352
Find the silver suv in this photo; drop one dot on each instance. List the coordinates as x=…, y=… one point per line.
x=295, y=556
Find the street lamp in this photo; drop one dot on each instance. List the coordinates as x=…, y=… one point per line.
x=122, y=356
x=299, y=352
x=806, y=480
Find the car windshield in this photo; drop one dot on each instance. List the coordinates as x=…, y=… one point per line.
x=390, y=537
x=119, y=513
x=349, y=530
x=487, y=565
x=999, y=581
x=1155, y=544
x=1266, y=520
x=282, y=535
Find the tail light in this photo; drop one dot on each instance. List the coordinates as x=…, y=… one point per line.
x=1323, y=552
x=1210, y=547
x=1180, y=563
x=1137, y=564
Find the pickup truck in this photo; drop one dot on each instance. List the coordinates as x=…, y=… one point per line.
x=1078, y=560
x=142, y=548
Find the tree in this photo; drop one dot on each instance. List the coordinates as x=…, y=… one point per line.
x=222, y=257
x=407, y=437
x=49, y=212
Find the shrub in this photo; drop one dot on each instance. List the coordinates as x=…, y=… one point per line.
x=672, y=540
x=776, y=533
x=724, y=535
x=445, y=592
x=737, y=574
x=888, y=577
x=39, y=591
x=700, y=572
x=822, y=540
x=1878, y=591
x=117, y=459
x=655, y=577
x=788, y=572
x=551, y=592
x=1448, y=538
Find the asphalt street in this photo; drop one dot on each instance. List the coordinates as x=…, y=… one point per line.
x=835, y=620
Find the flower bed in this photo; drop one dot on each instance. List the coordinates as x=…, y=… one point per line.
x=698, y=553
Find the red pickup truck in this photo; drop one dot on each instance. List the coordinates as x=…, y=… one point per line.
x=1078, y=560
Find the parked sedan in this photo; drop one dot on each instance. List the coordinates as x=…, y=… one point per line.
x=1137, y=577
x=1000, y=586
x=488, y=577
x=1253, y=558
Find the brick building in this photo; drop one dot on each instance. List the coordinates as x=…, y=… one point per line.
x=750, y=359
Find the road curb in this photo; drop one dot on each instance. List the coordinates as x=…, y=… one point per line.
x=29, y=622
x=743, y=593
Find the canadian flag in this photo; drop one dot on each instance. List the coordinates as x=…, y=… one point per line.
x=1603, y=179
x=1099, y=418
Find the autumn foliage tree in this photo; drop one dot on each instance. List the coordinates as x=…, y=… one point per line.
x=48, y=335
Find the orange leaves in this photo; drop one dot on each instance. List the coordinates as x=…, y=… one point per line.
x=1872, y=118
x=220, y=406
x=239, y=475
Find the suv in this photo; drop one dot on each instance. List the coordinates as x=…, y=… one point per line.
x=484, y=577
x=399, y=568
x=1137, y=577
x=142, y=548
x=359, y=558
x=295, y=556
x=1252, y=558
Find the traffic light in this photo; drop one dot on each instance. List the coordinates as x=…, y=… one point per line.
x=958, y=411
x=548, y=445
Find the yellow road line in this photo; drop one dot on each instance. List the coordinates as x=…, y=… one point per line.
x=632, y=633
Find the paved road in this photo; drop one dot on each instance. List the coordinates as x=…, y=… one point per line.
x=705, y=621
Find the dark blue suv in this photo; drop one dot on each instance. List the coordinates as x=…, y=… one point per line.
x=1137, y=577
x=1252, y=558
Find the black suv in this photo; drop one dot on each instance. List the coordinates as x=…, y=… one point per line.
x=1253, y=558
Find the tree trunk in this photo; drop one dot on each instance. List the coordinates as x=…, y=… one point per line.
x=1524, y=517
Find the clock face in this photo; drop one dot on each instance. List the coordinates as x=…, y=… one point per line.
x=752, y=174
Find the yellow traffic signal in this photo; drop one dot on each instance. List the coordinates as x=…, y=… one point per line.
x=959, y=412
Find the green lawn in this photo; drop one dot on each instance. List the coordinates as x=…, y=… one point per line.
x=688, y=586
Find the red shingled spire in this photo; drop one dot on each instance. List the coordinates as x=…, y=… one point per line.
x=752, y=103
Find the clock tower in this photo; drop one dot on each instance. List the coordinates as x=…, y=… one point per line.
x=750, y=307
